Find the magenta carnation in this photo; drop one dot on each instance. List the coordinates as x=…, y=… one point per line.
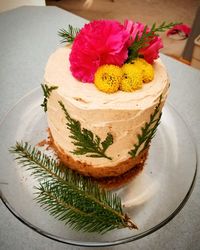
x=149, y=52
x=98, y=43
x=133, y=29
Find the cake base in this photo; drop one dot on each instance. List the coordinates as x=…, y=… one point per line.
x=119, y=181
x=109, y=176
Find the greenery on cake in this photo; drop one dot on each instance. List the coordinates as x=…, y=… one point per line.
x=46, y=92
x=145, y=37
x=86, y=142
x=70, y=197
x=147, y=131
x=115, y=57
x=68, y=35
x=103, y=48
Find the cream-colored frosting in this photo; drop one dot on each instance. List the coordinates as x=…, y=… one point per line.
x=121, y=113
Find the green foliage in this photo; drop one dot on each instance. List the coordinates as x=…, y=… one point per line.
x=68, y=35
x=145, y=38
x=47, y=92
x=70, y=197
x=85, y=141
x=148, y=131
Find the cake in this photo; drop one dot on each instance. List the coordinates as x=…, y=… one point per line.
x=114, y=120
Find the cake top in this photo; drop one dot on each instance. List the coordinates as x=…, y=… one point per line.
x=87, y=96
x=114, y=56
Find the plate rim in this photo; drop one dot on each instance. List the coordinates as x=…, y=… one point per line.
x=106, y=243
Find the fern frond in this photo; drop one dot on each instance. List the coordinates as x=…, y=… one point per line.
x=47, y=92
x=86, y=142
x=143, y=40
x=68, y=35
x=148, y=131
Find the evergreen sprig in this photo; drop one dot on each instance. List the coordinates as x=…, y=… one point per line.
x=86, y=142
x=70, y=197
x=148, y=131
x=68, y=35
x=143, y=40
x=47, y=92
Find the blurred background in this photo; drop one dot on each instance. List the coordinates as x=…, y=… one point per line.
x=181, y=46
x=148, y=12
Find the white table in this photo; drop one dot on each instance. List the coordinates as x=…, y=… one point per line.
x=28, y=35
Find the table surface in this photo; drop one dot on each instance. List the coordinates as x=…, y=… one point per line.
x=28, y=37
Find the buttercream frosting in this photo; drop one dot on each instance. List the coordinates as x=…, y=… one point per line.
x=120, y=113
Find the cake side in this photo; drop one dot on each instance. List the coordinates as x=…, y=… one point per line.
x=98, y=172
x=121, y=114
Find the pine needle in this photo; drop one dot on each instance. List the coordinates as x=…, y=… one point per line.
x=70, y=197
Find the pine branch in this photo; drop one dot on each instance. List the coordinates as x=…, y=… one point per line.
x=146, y=37
x=148, y=131
x=70, y=197
x=68, y=35
x=47, y=92
x=85, y=141
x=41, y=165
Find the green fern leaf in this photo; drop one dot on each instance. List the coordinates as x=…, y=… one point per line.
x=107, y=142
x=68, y=35
x=148, y=131
x=145, y=38
x=86, y=142
x=47, y=92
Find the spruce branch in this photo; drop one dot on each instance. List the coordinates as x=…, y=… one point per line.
x=148, y=131
x=70, y=197
x=68, y=35
x=42, y=166
x=86, y=142
x=143, y=40
x=47, y=92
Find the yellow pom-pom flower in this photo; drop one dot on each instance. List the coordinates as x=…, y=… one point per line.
x=107, y=78
x=147, y=69
x=132, y=77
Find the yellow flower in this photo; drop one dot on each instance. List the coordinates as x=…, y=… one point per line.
x=107, y=78
x=132, y=77
x=147, y=69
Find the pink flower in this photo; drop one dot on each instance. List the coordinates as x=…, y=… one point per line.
x=133, y=29
x=151, y=51
x=98, y=43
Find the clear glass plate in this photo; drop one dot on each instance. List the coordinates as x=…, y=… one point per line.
x=152, y=199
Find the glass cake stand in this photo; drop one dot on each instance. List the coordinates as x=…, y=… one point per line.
x=152, y=199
